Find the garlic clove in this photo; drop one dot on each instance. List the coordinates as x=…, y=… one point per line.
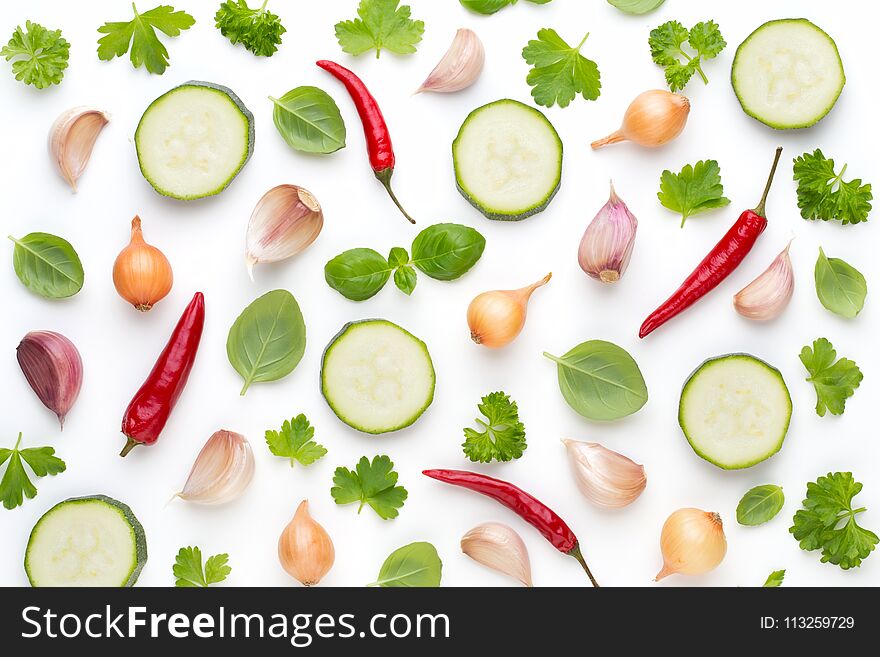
x=500, y=548
x=606, y=478
x=305, y=549
x=222, y=470
x=72, y=138
x=768, y=295
x=460, y=66
x=285, y=221
x=607, y=245
x=53, y=368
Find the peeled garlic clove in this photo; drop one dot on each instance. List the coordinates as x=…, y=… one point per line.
x=607, y=244
x=222, y=470
x=768, y=295
x=305, y=549
x=500, y=548
x=53, y=368
x=606, y=478
x=285, y=222
x=72, y=138
x=460, y=66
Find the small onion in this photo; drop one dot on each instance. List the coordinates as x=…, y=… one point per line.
x=142, y=274
x=496, y=318
x=692, y=542
x=652, y=119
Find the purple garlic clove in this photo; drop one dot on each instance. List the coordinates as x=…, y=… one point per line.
x=53, y=368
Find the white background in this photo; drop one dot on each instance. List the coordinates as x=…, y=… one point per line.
x=204, y=241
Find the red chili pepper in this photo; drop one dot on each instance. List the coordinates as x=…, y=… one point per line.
x=150, y=407
x=527, y=507
x=375, y=129
x=718, y=265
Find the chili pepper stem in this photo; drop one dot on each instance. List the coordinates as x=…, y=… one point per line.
x=760, y=209
x=576, y=553
x=130, y=444
x=384, y=177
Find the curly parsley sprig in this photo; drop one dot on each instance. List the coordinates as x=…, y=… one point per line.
x=39, y=56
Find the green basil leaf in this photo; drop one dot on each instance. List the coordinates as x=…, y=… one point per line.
x=447, y=251
x=357, y=274
x=841, y=288
x=398, y=257
x=405, y=279
x=759, y=505
x=268, y=339
x=309, y=120
x=601, y=381
x=486, y=7
x=774, y=579
x=413, y=565
x=636, y=7
x=47, y=265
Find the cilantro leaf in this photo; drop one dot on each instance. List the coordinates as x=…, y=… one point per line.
x=823, y=194
x=774, y=579
x=16, y=484
x=834, y=382
x=39, y=56
x=188, y=568
x=503, y=436
x=828, y=522
x=695, y=189
x=370, y=483
x=381, y=24
x=559, y=71
x=295, y=441
x=667, y=50
x=258, y=30
x=140, y=35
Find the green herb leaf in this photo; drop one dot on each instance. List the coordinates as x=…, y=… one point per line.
x=357, y=274
x=309, y=120
x=667, y=50
x=487, y=7
x=841, y=288
x=835, y=382
x=188, y=568
x=295, y=441
x=693, y=190
x=413, y=565
x=268, y=339
x=398, y=257
x=16, y=485
x=823, y=194
x=381, y=24
x=828, y=522
x=370, y=483
x=47, y=265
x=447, y=251
x=759, y=505
x=774, y=579
x=140, y=35
x=636, y=7
x=258, y=30
x=559, y=71
x=502, y=436
x=601, y=381
x=405, y=278
x=39, y=56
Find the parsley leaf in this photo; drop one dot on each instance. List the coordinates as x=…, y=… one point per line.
x=774, y=579
x=823, y=194
x=370, y=483
x=834, y=381
x=381, y=24
x=559, y=71
x=667, y=50
x=16, y=485
x=140, y=34
x=188, y=568
x=503, y=437
x=828, y=521
x=39, y=56
x=295, y=441
x=695, y=189
x=258, y=30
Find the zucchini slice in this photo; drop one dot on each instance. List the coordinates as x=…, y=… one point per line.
x=508, y=160
x=194, y=140
x=86, y=541
x=376, y=376
x=735, y=411
x=788, y=74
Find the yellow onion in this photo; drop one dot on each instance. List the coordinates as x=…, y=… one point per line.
x=496, y=318
x=692, y=542
x=305, y=549
x=652, y=119
x=142, y=274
